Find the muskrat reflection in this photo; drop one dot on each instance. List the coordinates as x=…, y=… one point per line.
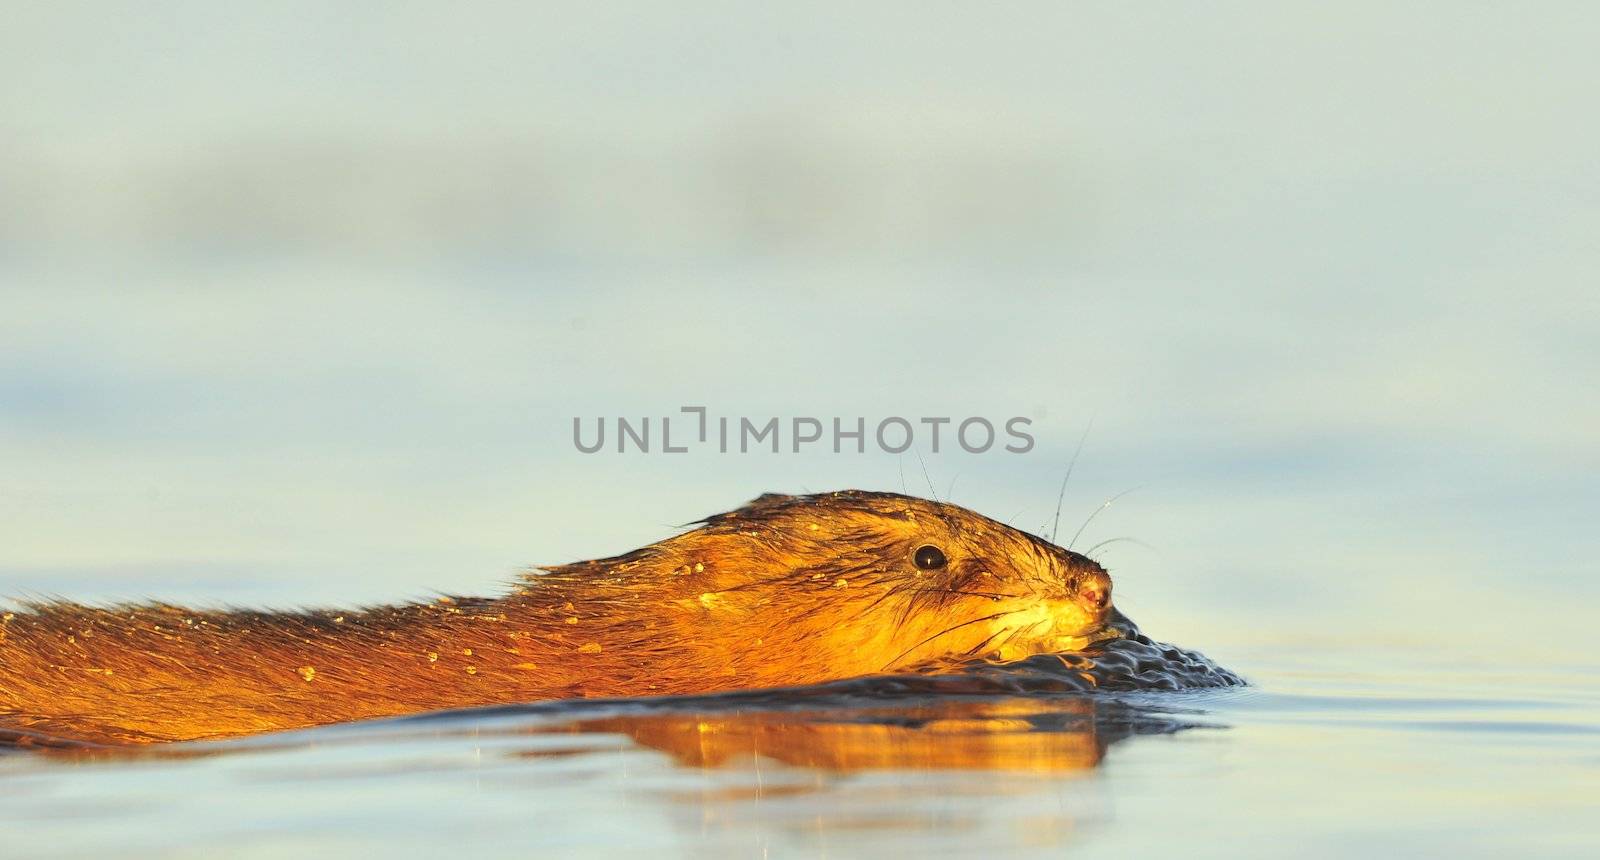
x=1052, y=735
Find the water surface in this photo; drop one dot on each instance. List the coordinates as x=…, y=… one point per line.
x=1311, y=759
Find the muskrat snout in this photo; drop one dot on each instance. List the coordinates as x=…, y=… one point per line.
x=1094, y=590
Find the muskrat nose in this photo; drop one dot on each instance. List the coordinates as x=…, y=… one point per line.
x=1094, y=589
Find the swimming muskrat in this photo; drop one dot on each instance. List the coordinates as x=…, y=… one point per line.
x=787, y=590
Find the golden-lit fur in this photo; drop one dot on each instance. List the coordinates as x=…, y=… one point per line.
x=787, y=590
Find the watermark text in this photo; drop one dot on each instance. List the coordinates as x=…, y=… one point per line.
x=695, y=428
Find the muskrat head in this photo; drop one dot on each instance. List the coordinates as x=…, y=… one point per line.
x=881, y=581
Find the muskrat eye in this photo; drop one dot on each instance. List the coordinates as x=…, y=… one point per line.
x=929, y=557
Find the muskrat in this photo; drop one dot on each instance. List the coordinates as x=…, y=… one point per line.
x=785, y=591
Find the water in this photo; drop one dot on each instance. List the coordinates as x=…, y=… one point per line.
x=1313, y=758
x=297, y=306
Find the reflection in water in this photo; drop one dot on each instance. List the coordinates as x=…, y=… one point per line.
x=804, y=773
x=1058, y=735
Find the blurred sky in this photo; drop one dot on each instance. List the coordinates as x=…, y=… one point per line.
x=297, y=304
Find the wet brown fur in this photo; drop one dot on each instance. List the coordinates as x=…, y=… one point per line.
x=787, y=590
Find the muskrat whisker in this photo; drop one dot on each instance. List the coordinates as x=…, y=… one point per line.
x=1103, y=506
x=926, y=476
x=949, y=630
x=1063, y=494
x=983, y=646
x=1135, y=541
